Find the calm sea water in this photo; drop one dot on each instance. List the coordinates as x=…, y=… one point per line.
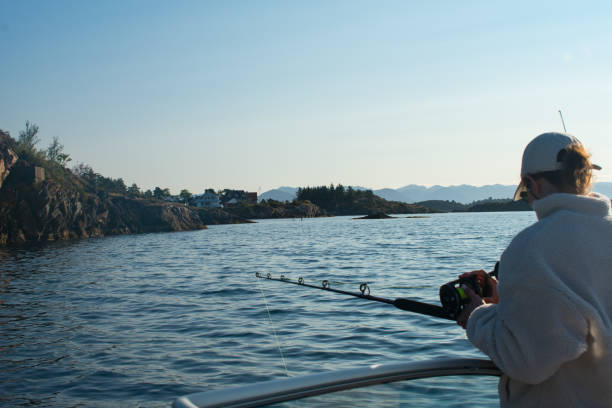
x=139, y=320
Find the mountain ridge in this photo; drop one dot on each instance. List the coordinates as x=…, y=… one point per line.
x=414, y=193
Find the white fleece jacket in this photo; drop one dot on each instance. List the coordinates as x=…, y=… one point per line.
x=551, y=333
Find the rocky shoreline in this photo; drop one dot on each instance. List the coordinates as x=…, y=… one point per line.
x=50, y=212
x=60, y=206
x=42, y=201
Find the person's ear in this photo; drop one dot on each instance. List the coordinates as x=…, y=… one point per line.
x=533, y=186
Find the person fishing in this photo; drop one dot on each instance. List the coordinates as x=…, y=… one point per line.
x=547, y=324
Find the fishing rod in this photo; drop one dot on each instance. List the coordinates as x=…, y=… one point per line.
x=452, y=297
x=400, y=303
x=364, y=293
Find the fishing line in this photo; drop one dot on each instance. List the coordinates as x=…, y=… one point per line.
x=273, y=329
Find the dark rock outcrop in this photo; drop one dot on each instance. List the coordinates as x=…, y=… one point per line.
x=375, y=216
x=304, y=209
x=215, y=216
x=64, y=206
x=49, y=212
x=7, y=156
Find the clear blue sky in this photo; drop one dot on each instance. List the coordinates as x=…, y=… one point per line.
x=261, y=94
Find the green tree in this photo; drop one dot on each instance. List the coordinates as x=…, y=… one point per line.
x=120, y=186
x=161, y=194
x=133, y=190
x=26, y=145
x=28, y=138
x=55, y=153
x=185, y=195
x=83, y=170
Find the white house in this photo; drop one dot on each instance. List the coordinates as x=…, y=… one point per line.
x=208, y=199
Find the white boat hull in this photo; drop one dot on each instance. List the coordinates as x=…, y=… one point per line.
x=289, y=389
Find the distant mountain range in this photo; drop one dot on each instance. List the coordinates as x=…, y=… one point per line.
x=413, y=193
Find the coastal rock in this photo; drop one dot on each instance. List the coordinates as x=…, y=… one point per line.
x=7, y=156
x=215, y=216
x=50, y=212
x=303, y=209
x=65, y=205
x=132, y=215
x=375, y=216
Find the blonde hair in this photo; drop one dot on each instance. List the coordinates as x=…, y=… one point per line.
x=576, y=174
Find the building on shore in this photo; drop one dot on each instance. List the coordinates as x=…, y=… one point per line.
x=226, y=197
x=209, y=199
x=172, y=199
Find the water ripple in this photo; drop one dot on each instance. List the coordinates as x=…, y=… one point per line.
x=140, y=320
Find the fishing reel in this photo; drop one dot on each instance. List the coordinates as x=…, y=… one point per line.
x=453, y=298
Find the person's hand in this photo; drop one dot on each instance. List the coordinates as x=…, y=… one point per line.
x=486, y=281
x=475, y=301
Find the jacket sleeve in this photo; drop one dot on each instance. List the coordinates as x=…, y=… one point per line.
x=530, y=333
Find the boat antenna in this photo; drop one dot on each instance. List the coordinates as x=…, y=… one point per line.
x=562, y=121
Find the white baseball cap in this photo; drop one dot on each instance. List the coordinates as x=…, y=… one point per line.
x=541, y=155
